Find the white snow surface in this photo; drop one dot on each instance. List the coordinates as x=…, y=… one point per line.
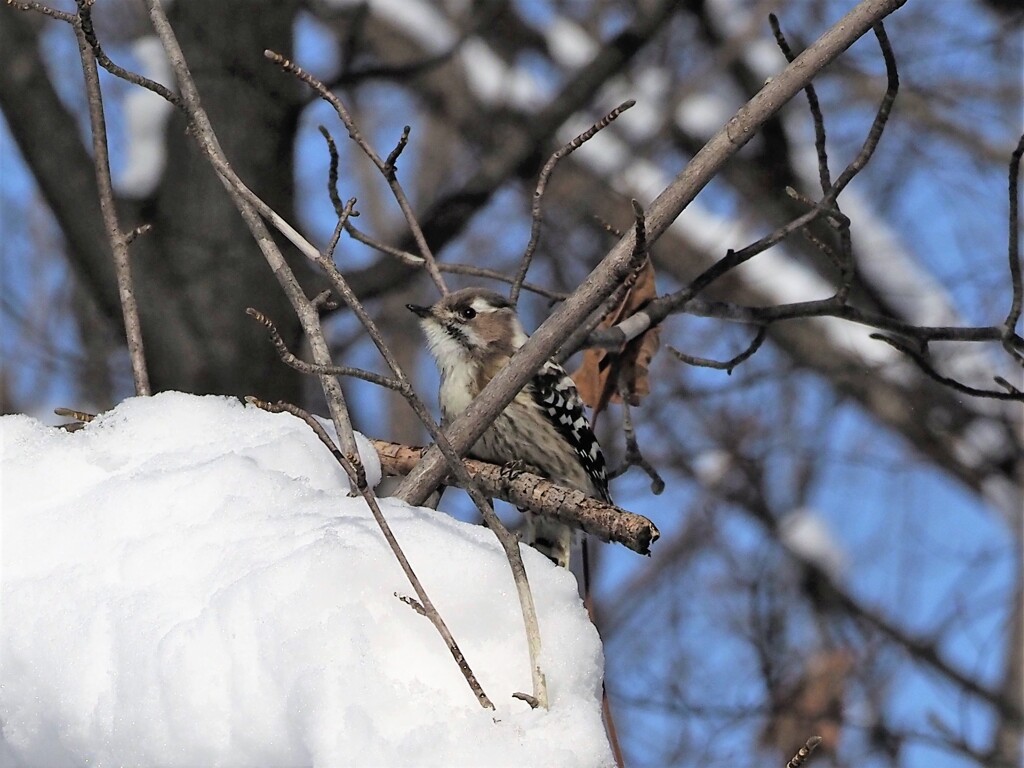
x=187, y=582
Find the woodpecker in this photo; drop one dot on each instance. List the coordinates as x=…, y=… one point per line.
x=472, y=334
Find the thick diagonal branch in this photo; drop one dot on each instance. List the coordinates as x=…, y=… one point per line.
x=467, y=429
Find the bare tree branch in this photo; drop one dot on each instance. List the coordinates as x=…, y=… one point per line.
x=922, y=363
x=659, y=309
x=288, y=358
x=386, y=167
x=118, y=240
x=813, y=105
x=537, y=214
x=249, y=205
x=726, y=365
x=615, y=266
x=81, y=23
x=246, y=202
x=802, y=755
x=574, y=508
x=1011, y=341
x=634, y=457
x=509, y=542
x=514, y=158
x=53, y=13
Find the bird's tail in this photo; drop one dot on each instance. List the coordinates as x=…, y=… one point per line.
x=551, y=538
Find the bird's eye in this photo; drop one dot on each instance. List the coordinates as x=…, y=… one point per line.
x=467, y=313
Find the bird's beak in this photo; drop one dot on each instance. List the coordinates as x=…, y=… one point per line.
x=417, y=309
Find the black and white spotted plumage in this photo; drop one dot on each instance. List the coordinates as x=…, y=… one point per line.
x=555, y=392
x=472, y=334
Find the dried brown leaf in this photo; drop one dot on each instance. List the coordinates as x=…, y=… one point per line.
x=603, y=372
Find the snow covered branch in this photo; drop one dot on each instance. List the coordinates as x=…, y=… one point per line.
x=353, y=468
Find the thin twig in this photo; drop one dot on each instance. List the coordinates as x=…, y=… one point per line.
x=813, y=105
x=208, y=143
x=347, y=212
x=1013, y=315
x=537, y=214
x=332, y=172
x=311, y=368
x=104, y=61
x=388, y=171
x=251, y=208
x=139, y=231
x=874, y=134
x=830, y=307
x=413, y=603
x=843, y=260
x=108, y=208
x=579, y=336
x=609, y=725
x=639, y=233
x=634, y=457
x=500, y=277
x=836, y=306
x=89, y=51
x=1005, y=384
x=733, y=259
x=358, y=479
x=390, y=164
x=412, y=260
x=53, y=13
x=324, y=301
x=70, y=413
x=725, y=365
x=922, y=362
x=800, y=758
x=637, y=260
x=482, y=18
x=660, y=309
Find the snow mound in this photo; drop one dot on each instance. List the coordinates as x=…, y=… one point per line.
x=186, y=582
